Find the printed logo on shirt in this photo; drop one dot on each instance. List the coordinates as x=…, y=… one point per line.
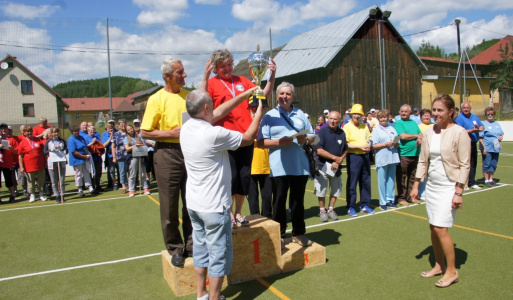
x=339, y=142
x=298, y=122
x=239, y=87
x=36, y=145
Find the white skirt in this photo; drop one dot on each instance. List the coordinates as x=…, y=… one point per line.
x=439, y=193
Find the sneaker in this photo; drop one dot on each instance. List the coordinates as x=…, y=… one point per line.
x=81, y=193
x=25, y=193
x=333, y=215
x=383, y=207
x=466, y=188
x=115, y=188
x=475, y=187
x=367, y=209
x=488, y=184
x=302, y=240
x=32, y=198
x=493, y=182
x=132, y=194
x=324, y=216
x=352, y=212
x=391, y=205
x=42, y=197
x=93, y=191
x=147, y=192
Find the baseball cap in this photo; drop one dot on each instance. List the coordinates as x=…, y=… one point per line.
x=416, y=109
x=372, y=110
x=111, y=121
x=137, y=121
x=326, y=111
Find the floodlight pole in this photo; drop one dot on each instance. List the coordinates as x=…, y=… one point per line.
x=271, y=56
x=108, y=60
x=457, y=21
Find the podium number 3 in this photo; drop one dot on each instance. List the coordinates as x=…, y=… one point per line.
x=256, y=251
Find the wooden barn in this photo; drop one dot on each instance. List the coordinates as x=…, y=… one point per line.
x=358, y=59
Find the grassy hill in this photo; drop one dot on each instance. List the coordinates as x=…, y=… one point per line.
x=121, y=87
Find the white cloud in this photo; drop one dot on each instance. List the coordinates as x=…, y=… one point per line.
x=28, y=11
x=269, y=13
x=161, y=11
x=209, y=2
x=470, y=33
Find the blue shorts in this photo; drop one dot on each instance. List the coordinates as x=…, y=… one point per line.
x=490, y=161
x=212, y=241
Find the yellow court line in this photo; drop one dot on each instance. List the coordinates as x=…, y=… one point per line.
x=158, y=203
x=458, y=226
x=273, y=289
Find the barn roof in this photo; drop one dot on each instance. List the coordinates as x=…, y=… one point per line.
x=317, y=48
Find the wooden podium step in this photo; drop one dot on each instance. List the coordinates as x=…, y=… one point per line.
x=257, y=253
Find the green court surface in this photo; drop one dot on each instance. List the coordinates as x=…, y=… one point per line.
x=108, y=247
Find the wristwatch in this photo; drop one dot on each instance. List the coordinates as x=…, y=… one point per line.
x=460, y=185
x=458, y=194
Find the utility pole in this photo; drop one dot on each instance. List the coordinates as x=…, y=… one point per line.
x=457, y=21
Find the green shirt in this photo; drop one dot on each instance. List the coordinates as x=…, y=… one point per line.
x=407, y=148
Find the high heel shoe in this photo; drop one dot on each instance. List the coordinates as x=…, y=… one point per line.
x=430, y=274
x=443, y=284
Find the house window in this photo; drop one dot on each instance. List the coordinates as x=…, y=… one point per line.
x=28, y=110
x=77, y=116
x=95, y=117
x=26, y=87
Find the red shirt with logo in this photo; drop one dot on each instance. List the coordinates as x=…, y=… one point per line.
x=221, y=91
x=33, y=159
x=37, y=130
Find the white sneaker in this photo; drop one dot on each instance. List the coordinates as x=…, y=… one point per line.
x=466, y=188
x=132, y=194
x=475, y=187
x=42, y=197
x=147, y=192
x=32, y=198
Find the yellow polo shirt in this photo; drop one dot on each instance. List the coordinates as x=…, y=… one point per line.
x=358, y=136
x=164, y=112
x=260, y=164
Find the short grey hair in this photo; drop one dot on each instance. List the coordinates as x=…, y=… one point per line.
x=195, y=102
x=167, y=65
x=286, y=84
x=405, y=105
x=468, y=103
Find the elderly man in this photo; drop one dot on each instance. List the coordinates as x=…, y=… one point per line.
x=409, y=151
x=331, y=151
x=358, y=162
x=37, y=131
x=83, y=129
x=416, y=116
x=473, y=125
x=205, y=149
x=162, y=123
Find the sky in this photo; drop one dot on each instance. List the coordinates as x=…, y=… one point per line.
x=65, y=40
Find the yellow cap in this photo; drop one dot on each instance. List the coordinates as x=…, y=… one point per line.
x=357, y=109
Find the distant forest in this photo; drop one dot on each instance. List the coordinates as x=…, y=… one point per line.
x=121, y=87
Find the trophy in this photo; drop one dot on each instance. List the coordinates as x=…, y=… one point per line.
x=257, y=64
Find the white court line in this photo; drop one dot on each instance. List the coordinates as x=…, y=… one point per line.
x=155, y=254
x=79, y=267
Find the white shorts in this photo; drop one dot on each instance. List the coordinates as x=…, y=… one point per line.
x=321, y=185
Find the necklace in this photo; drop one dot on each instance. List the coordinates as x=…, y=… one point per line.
x=232, y=91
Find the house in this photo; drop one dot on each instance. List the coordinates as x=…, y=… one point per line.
x=88, y=109
x=358, y=59
x=442, y=77
x=25, y=97
x=141, y=99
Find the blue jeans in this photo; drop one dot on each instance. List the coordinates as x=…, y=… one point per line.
x=123, y=169
x=212, y=241
x=386, y=183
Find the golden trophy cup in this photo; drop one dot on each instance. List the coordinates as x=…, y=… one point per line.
x=257, y=64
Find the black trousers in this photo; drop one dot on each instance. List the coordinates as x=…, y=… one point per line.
x=473, y=164
x=264, y=181
x=281, y=186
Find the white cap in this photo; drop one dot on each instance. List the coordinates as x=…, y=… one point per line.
x=307, y=115
x=326, y=111
x=137, y=121
x=111, y=121
x=372, y=110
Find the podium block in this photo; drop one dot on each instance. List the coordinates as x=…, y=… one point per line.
x=182, y=280
x=256, y=249
x=295, y=257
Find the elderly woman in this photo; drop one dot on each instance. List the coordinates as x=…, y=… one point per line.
x=7, y=160
x=223, y=87
x=137, y=164
x=96, y=149
x=107, y=138
x=119, y=154
x=490, y=141
x=445, y=156
x=32, y=162
x=289, y=164
x=386, y=159
x=79, y=159
x=55, y=148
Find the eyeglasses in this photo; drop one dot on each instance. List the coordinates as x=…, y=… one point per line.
x=490, y=114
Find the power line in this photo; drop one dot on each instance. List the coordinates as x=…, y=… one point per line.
x=438, y=28
x=472, y=26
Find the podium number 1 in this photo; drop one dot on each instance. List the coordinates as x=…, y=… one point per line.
x=256, y=251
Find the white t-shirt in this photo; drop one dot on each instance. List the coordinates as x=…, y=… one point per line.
x=205, y=150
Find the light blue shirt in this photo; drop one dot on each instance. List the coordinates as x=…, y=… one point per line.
x=388, y=155
x=289, y=160
x=490, y=136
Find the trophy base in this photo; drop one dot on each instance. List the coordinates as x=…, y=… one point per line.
x=253, y=101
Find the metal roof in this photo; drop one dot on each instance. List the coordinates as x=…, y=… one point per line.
x=316, y=48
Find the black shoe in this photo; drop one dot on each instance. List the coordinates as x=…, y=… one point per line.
x=12, y=199
x=1, y=201
x=93, y=192
x=16, y=193
x=177, y=260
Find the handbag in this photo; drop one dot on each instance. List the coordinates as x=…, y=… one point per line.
x=309, y=151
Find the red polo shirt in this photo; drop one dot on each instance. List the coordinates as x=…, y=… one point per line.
x=34, y=158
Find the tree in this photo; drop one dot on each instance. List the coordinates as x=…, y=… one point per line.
x=428, y=50
x=503, y=68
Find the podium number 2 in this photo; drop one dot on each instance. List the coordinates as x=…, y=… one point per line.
x=256, y=251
